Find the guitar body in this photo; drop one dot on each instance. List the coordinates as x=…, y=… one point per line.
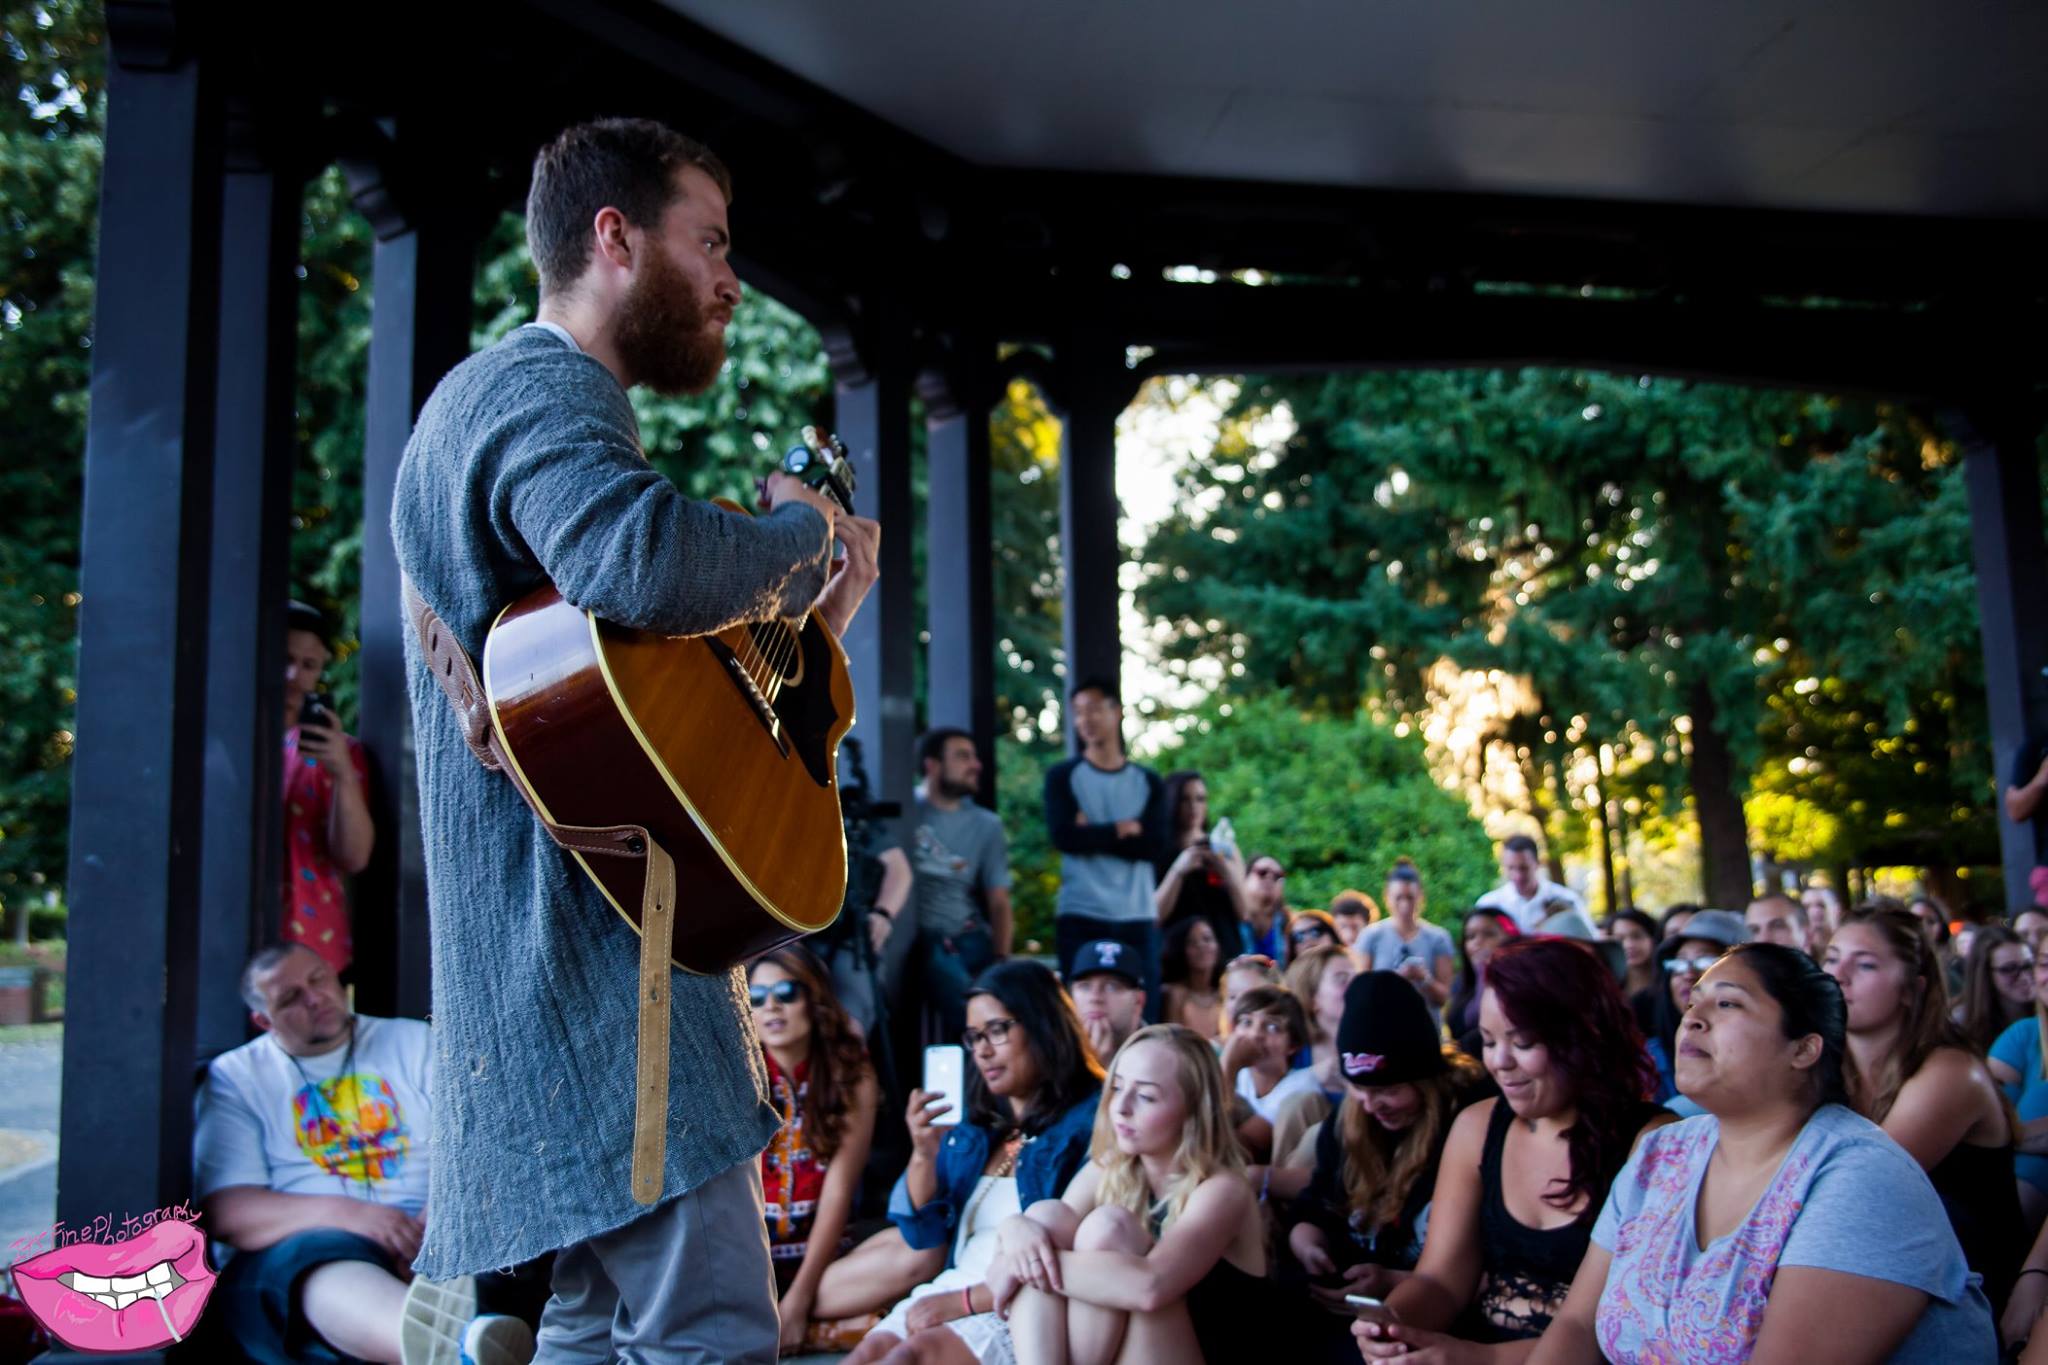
x=724, y=747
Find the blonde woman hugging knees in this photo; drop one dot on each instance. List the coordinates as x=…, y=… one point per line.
x=1157, y=1250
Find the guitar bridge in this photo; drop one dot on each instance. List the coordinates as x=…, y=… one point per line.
x=744, y=681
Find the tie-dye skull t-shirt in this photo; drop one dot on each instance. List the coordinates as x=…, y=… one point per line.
x=1847, y=1198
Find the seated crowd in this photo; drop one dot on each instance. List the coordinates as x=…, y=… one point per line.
x=1221, y=1128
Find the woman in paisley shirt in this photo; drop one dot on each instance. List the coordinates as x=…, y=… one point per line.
x=1779, y=1225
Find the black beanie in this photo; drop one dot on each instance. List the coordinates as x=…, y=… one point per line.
x=1386, y=1037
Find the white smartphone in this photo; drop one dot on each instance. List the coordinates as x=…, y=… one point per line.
x=945, y=1073
x=1363, y=1301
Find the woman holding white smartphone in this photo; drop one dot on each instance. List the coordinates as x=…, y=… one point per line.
x=1030, y=1099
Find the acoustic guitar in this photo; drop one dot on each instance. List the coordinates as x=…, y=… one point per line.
x=724, y=747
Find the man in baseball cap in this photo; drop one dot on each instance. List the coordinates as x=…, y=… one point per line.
x=1108, y=990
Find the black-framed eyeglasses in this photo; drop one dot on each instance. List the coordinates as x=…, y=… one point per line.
x=784, y=992
x=2013, y=971
x=995, y=1035
x=1692, y=966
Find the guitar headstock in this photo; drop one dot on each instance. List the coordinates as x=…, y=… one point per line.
x=821, y=462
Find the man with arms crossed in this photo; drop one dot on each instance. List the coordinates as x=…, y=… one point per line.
x=525, y=468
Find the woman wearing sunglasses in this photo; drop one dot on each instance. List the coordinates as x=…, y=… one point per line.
x=1029, y=1113
x=820, y=1080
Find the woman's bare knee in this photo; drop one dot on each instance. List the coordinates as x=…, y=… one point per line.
x=1110, y=1228
x=1056, y=1218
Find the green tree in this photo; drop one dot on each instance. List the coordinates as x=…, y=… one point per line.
x=50, y=150
x=1632, y=551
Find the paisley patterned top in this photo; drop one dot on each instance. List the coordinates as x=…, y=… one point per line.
x=1847, y=1198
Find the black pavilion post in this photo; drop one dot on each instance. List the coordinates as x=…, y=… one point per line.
x=2004, y=479
x=1093, y=389
x=960, y=558
x=422, y=275
x=138, y=773
x=872, y=416
x=244, y=827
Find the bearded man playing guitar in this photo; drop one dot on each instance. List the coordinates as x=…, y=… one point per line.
x=525, y=469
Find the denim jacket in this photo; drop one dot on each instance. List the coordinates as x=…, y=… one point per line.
x=1044, y=1166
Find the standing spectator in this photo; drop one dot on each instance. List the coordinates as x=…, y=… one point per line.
x=1914, y=1075
x=327, y=827
x=1501, y=1251
x=1109, y=993
x=1107, y=816
x=958, y=854
x=1780, y=1224
x=1193, y=969
x=1265, y=920
x=2017, y=1065
x=2024, y=801
x=1484, y=930
x=1199, y=876
x=1353, y=913
x=1526, y=894
x=1403, y=943
x=820, y=1080
x=1358, y=1227
x=1777, y=918
x=1636, y=932
x=1998, y=986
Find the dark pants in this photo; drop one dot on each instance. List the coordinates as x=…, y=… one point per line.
x=950, y=966
x=258, y=1295
x=1141, y=936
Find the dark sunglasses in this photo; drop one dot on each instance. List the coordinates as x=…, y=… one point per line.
x=1304, y=935
x=784, y=992
x=1693, y=966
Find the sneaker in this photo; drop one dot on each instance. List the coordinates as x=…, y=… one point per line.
x=441, y=1326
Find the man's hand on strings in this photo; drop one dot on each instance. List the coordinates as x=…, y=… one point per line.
x=853, y=575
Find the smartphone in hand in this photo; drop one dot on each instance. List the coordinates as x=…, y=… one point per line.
x=945, y=1073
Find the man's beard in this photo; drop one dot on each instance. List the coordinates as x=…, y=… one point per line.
x=662, y=338
x=956, y=791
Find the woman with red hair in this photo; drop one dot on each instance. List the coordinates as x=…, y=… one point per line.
x=1575, y=1081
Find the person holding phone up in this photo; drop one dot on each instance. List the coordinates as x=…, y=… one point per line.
x=328, y=830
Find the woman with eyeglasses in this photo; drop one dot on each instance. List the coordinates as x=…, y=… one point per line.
x=1032, y=1086
x=820, y=1080
x=1912, y=1073
x=1998, y=986
x=2019, y=1063
x=1683, y=957
x=1308, y=929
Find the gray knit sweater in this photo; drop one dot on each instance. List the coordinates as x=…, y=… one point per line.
x=526, y=467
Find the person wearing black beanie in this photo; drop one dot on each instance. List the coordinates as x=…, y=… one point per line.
x=1357, y=1227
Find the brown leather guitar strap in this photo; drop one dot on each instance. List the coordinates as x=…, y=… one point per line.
x=452, y=669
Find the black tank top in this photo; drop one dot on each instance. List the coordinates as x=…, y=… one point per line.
x=1976, y=1188
x=1528, y=1271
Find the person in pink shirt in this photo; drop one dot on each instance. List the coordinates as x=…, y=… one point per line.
x=328, y=830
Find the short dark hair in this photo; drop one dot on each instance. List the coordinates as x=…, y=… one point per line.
x=1097, y=682
x=1067, y=1068
x=629, y=164
x=265, y=959
x=1520, y=843
x=1274, y=1000
x=931, y=745
x=309, y=618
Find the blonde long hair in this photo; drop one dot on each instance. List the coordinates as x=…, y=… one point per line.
x=1207, y=1144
